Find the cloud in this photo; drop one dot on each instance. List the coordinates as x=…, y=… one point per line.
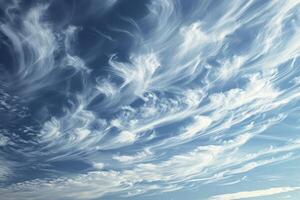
x=256, y=193
x=184, y=104
x=138, y=157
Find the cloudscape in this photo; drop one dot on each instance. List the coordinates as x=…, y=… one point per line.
x=149, y=99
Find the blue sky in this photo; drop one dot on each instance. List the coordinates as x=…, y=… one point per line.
x=157, y=99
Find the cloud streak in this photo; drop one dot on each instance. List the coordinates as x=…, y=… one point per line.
x=256, y=193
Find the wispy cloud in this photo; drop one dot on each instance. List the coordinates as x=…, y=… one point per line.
x=175, y=95
x=255, y=193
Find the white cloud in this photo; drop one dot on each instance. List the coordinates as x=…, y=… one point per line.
x=140, y=156
x=98, y=165
x=167, y=71
x=256, y=193
x=3, y=140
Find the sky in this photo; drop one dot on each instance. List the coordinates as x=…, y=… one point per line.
x=149, y=99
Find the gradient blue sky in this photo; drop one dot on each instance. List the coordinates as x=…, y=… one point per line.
x=149, y=99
